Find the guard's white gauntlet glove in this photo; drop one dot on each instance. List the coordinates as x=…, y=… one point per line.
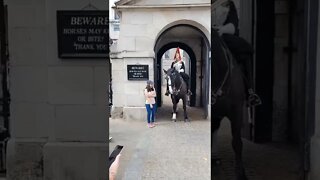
x=226, y=29
x=181, y=70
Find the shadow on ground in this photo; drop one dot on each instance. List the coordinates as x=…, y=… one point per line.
x=276, y=161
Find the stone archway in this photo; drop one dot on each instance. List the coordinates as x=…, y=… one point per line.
x=158, y=69
x=195, y=42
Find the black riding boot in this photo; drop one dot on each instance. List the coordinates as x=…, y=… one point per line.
x=189, y=92
x=185, y=77
x=167, y=91
x=253, y=98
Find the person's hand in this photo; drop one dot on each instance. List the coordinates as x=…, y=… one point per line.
x=114, y=168
x=227, y=29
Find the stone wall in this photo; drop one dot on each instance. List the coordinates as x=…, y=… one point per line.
x=59, y=106
x=315, y=141
x=281, y=64
x=140, y=29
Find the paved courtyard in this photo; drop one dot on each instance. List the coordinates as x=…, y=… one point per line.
x=169, y=151
x=276, y=161
x=182, y=150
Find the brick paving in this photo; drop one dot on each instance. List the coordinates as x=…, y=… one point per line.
x=276, y=161
x=181, y=151
x=170, y=151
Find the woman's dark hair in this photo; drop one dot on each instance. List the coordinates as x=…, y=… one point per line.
x=149, y=88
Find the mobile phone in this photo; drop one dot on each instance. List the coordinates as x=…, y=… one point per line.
x=114, y=154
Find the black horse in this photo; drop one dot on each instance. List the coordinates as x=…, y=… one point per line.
x=228, y=98
x=178, y=90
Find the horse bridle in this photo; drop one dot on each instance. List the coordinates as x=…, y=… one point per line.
x=175, y=91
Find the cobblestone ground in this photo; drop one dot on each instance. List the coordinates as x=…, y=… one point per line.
x=170, y=151
x=262, y=161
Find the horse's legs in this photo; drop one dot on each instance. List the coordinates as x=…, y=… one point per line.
x=216, y=161
x=214, y=140
x=174, y=112
x=185, y=108
x=236, y=125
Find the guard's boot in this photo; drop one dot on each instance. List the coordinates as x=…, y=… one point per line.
x=167, y=93
x=253, y=99
x=189, y=93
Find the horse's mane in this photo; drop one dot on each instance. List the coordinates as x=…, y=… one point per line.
x=171, y=70
x=178, y=78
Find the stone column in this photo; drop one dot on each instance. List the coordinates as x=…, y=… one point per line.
x=245, y=19
x=59, y=113
x=315, y=140
x=281, y=65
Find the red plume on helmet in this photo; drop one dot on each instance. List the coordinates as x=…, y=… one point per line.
x=175, y=54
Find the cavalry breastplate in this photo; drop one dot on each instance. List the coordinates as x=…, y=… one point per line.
x=177, y=66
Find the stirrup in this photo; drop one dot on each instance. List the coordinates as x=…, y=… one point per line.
x=189, y=93
x=254, y=100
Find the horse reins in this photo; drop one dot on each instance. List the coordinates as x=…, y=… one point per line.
x=226, y=52
x=177, y=91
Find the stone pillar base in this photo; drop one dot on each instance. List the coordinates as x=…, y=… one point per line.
x=135, y=113
x=315, y=158
x=25, y=159
x=37, y=160
x=76, y=161
x=117, y=112
x=129, y=113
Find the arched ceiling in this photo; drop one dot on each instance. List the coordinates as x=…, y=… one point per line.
x=179, y=34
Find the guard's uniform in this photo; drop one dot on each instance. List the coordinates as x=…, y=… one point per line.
x=239, y=47
x=180, y=67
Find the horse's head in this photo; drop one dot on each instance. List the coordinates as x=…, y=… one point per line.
x=173, y=80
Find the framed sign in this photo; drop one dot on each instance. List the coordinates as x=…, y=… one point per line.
x=83, y=34
x=138, y=72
